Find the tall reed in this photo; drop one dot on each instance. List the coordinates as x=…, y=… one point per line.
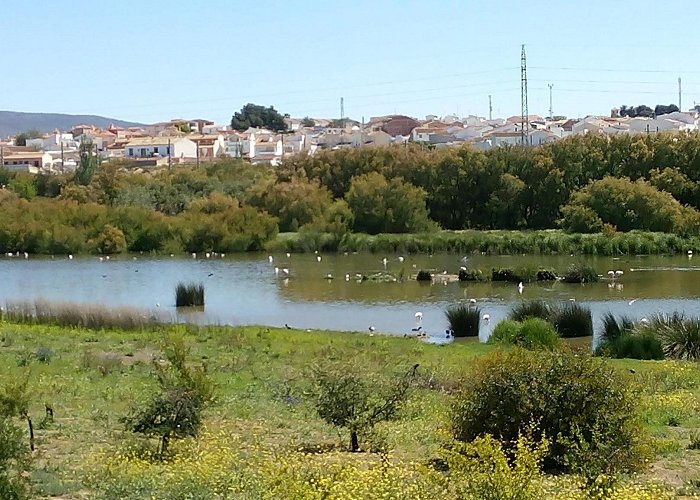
x=81, y=315
x=189, y=295
x=463, y=320
x=572, y=320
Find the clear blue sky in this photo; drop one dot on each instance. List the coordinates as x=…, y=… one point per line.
x=153, y=60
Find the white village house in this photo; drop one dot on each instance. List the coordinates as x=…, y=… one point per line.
x=148, y=147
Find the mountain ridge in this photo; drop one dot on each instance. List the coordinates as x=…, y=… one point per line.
x=14, y=122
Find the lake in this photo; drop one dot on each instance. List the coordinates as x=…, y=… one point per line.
x=245, y=289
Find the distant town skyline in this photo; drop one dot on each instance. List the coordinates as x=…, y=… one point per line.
x=153, y=60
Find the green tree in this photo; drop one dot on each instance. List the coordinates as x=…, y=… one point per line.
x=308, y=122
x=254, y=115
x=357, y=402
x=21, y=138
x=393, y=206
x=24, y=186
x=294, y=203
x=88, y=163
x=110, y=241
x=175, y=411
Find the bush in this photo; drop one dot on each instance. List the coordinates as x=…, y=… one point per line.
x=546, y=275
x=356, y=402
x=580, y=273
x=613, y=329
x=638, y=345
x=573, y=320
x=679, y=336
x=189, y=294
x=530, y=309
x=470, y=275
x=424, y=276
x=464, y=321
x=533, y=333
x=522, y=274
x=175, y=410
x=582, y=405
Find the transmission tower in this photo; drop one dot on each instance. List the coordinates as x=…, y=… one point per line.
x=342, y=113
x=490, y=108
x=551, y=112
x=524, y=115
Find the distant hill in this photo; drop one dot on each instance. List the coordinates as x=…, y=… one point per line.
x=13, y=122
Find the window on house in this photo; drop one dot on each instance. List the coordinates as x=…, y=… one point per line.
x=131, y=151
x=155, y=149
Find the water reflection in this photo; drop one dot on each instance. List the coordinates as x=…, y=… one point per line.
x=296, y=288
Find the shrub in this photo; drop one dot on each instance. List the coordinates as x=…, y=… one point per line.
x=546, y=275
x=175, y=410
x=638, y=345
x=580, y=273
x=43, y=354
x=522, y=274
x=679, y=336
x=470, y=275
x=483, y=469
x=357, y=403
x=582, y=405
x=573, y=320
x=613, y=329
x=463, y=320
x=530, y=309
x=189, y=294
x=424, y=276
x=533, y=333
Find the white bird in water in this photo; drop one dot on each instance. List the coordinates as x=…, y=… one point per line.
x=318, y=258
x=486, y=317
x=400, y=258
x=26, y=255
x=472, y=301
x=371, y=328
x=644, y=321
x=632, y=302
x=520, y=287
x=277, y=270
x=70, y=257
x=384, y=261
x=101, y=259
x=690, y=252
x=269, y=258
x=285, y=270
x=223, y=255
x=347, y=277
x=418, y=316
x=194, y=255
x=207, y=255
x=107, y=258
x=611, y=274
x=618, y=273
x=289, y=255
x=329, y=276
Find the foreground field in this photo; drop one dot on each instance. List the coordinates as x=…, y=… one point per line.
x=262, y=437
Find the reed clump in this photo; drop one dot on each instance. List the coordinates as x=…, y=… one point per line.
x=91, y=316
x=463, y=320
x=189, y=295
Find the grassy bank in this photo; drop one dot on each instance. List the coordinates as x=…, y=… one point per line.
x=545, y=242
x=263, y=412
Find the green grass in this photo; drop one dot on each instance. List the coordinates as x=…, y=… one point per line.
x=262, y=377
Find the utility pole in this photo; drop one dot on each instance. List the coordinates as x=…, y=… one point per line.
x=342, y=113
x=490, y=108
x=63, y=159
x=524, y=115
x=197, y=144
x=170, y=157
x=680, y=107
x=551, y=112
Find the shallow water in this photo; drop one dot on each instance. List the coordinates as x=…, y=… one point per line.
x=244, y=289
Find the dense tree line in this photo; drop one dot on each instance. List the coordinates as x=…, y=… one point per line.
x=589, y=183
